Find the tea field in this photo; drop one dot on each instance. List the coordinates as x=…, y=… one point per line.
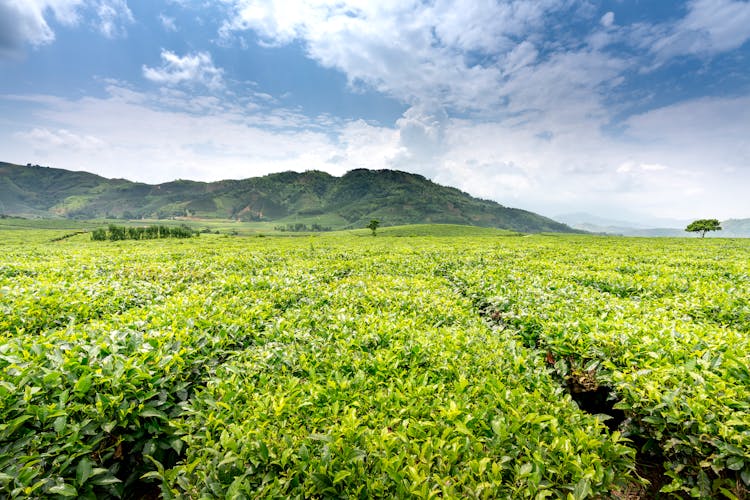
x=347, y=366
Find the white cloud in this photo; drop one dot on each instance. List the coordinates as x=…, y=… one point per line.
x=448, y=53
x=486, y=57
x=43, y=138
x=677, y=161
x=421, y=134
x=168, y=23
x=225, y=140
x=112, y=16
x=630, y=166
x=562, y=95
x=489, y=27
x=26, y=21
x=703, y=121
x=23, y=22
x=710, y=27
x=680, y=168
x=361, y=145
x=667, y=164
x=520, y=56
x=192, y=68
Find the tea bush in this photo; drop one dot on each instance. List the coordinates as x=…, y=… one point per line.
x=370, y=367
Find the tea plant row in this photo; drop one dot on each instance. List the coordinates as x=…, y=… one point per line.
x=665, y=324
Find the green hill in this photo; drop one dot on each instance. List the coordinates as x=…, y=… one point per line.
x=350, y=201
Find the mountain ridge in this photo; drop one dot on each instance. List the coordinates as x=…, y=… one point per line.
x=392, y=196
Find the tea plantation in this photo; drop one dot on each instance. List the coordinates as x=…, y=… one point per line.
x=349, y=366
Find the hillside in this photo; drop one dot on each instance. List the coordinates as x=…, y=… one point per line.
x=349, y=201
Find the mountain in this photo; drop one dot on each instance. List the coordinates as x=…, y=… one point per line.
x=651, y=232
x=391, y=196
x=732, y=228
x=626, y=219
x=583, y=218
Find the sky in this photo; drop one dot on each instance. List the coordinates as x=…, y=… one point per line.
x=628, y=109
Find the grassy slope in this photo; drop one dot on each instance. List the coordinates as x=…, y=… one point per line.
x=234, y=228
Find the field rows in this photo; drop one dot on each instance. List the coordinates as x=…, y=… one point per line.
x=665, y=328
x=370, y=367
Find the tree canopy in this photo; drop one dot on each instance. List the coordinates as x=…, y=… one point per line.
x=373, y=226
x=702, y=226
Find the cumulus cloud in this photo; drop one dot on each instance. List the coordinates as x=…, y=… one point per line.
x=421, y=134
x=488, y=27
x=194, y=68
x=25, y=22
x=362, y=145
x=486, y=58
x=451, y=54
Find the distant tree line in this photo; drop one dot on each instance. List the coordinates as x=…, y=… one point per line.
x=117, y=233
x=299, y=227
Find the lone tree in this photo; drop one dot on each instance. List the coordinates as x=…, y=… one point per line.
x=373, y=226
x=703, y=226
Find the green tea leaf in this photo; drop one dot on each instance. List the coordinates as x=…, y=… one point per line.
x=64, y=489
x=83, y=471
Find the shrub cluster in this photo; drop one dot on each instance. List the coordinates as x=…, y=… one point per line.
x=115, y=233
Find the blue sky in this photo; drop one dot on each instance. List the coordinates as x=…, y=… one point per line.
x=628, y=109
